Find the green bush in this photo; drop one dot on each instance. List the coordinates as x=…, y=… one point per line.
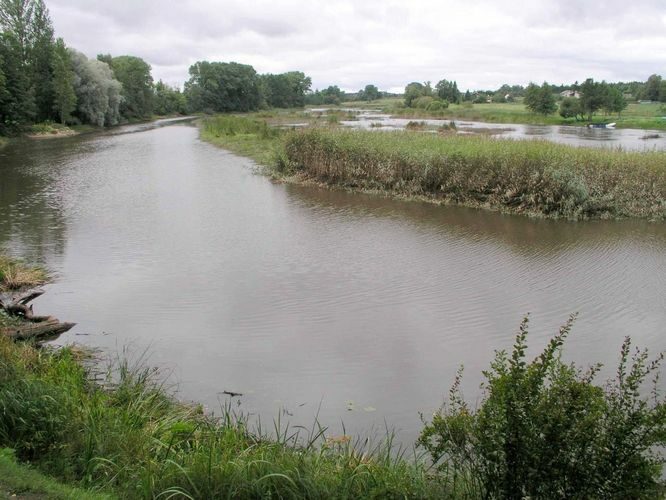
x=437, y=105
x=545, y=430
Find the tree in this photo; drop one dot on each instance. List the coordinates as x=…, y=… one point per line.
x=614, y=101
x=413, y=91
x=134, y=75
x=41, y=60
x=540, y=99
x=27, y=25
x=16, y=20
x=570, y=108
x=220, y=87
x=63, y=82
x=17, y=104
x=592, y=97
x=369, y=93
x=448, y=91
x=285, y=90
x=98, y=93
x=332, y=95
x=168, y=100
x=653, y=88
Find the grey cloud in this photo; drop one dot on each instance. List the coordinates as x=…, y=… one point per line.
x=388, y=43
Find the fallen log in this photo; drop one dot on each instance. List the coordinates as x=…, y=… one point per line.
x=18, y=305
x=37, y=331
x=35, y=327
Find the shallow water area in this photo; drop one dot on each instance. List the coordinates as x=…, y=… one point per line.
x=630, y=139
x=311, y=302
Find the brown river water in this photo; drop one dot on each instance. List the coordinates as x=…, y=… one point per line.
x=355, y=308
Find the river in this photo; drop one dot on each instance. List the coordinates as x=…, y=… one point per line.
x=311, y=302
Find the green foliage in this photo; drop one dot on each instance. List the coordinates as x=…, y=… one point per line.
x=133, y=439
x=98, y=93
x=218, y=87
x=369, y=93
x=63, y=83
x=534, y=177
x=168, y=100
x=570, y=108
x=652, y=90
x=21, y=481
x=545, y=430
x=592, y=97
x=17, y=101
x=448, y=91
x=614, y=101
x=540, y=99
x=137, y=85
x=413, y=91
x=286, y=90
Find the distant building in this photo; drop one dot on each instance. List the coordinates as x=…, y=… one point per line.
x=570, y=93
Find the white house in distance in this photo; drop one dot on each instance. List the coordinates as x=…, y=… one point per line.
x=570, y=93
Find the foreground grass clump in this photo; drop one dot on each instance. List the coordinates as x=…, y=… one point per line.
x=14, y=274
x=132, y=439
x=545, y=430
x=25, y=482
x=534, y=177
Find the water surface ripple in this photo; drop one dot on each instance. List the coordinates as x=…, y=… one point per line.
x=302, y=297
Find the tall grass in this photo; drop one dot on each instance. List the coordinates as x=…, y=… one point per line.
x=132, y=438
x=14, y=274
x=534, y=177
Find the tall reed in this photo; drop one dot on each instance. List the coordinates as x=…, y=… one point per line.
x=534, y=177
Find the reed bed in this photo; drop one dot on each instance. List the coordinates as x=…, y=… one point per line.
x=531, y=177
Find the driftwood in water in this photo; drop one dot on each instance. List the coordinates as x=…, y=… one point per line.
x=47, y=329
x=35, y=327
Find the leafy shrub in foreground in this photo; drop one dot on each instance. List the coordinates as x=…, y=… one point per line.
x=545, y=430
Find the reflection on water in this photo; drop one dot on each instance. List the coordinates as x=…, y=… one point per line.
x=305, y=299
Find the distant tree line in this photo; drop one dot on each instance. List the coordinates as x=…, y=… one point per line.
x=41, y=79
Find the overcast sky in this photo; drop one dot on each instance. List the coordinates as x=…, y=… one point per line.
x=480, y=44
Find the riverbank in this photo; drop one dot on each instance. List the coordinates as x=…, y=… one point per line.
x=535, y=178
x=129, y=437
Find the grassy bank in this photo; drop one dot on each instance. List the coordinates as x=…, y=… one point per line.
x=246, y=136
x=3, y=142
x=133, y=440
x=532, y=177
x=541, y=427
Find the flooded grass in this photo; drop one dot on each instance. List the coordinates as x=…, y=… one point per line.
x=532, y=177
